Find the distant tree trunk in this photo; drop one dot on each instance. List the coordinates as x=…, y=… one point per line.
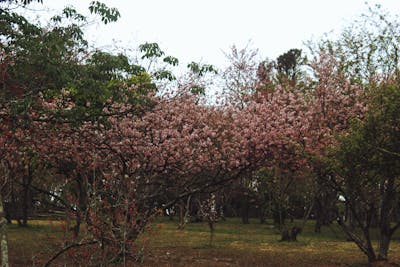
x=279, y=214
x=290, y=235
x=349, y=217
x=26, y=195
x=263, y=214
x=306, y=215
x=317, y=214
x=181, y=208
x=82, y=203
x=170, y=212
x=325, y=209
x=212, y=230
x=245, y=209
x=77, y=226
x=25, y=205
x=184, y=211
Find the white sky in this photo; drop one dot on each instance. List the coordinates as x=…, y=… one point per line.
x=201, y=30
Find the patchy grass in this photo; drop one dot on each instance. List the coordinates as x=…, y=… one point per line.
x=235, y=244
x=254, y=244
x=28, y=246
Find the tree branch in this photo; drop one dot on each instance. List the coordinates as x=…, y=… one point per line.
x=74, y=245
x=389, y=152
x=353, y=236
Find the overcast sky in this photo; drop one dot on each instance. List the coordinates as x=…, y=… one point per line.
x=201, y=30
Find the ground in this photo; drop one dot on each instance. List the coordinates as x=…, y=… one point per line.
x=234, y=244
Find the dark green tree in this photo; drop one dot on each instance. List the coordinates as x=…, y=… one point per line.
x=289, y=65
x=368, y=171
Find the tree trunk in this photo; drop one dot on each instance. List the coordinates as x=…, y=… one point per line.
x=367, y=249
x=245, y=213
x=245, y=208
x=263, y=214
x=181, y=220
x=383, y=247
x=82, y=203
x=290, y=235
x=386, y=208
x=317, y=228
x=26, y=195
x=3, y=236
x=279, y=215
x=184, y=212
x=306, y=215
x=371, y=251
x=77, y=226
x=211, y=226
x=25, y=206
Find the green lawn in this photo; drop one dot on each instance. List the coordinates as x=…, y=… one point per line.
x=234, y=244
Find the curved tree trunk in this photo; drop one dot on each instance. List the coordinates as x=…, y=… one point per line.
x=365, y=247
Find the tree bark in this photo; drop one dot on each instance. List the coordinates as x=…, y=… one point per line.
x=3, y=236
x=82, y=203
x=386, y=209
x=367, y=249
x=74, y=245
x=184, y=212
x=25, y=205
x=245, y=209
x=77, y=225
x=263, y=215
x=27, y=198
x=211, y=226
x=383, y=247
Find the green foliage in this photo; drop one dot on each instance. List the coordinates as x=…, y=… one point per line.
x=24, y=2
x=370, y=46
x=372, y=148
x=152, y=53
x=289, y=62
x=107, y=14
x=142, y=81
x=164, y=74
x=40, y=59
x=201, y=69
x=198, y=90
x=105, y=66
x=171, y=60
x=198, y=74
x=150, y=50
x=70, y=12
x=288, y=70
x=54, y=62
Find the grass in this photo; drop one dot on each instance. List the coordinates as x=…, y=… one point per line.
x=28, y=246
x=254, y=244
x=235, y=244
